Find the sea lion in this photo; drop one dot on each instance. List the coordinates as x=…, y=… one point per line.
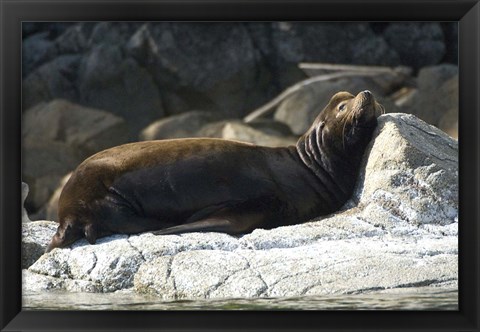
x=205, y=184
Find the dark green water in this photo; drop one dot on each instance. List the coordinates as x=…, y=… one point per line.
x=411, y=299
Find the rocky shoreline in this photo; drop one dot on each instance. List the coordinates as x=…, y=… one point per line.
x=399, y=231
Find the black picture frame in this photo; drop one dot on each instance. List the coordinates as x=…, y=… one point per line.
x=13, y=12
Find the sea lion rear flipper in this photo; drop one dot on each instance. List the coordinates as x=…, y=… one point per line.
x=225, y=221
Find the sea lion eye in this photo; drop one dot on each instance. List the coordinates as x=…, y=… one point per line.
x=341, y=107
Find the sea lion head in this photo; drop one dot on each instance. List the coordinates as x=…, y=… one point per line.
x=347, y=122
x=337, y=140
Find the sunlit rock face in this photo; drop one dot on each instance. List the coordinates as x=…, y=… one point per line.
x=399, y=230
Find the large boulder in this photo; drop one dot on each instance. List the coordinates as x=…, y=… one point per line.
x=436, y=98
x=54, y=28
x=86, y=130
x=36, y=236
x=331, y=43
x=410, y=178
x=450, y=31
x=44, y=46
x=242, y=132
x=85, y=68
x=417, y=44
x=261, y=132
x=169, y=67
x=232, y=79
x=50, y=210
x=54, y=79
x=43, y=165
x=112, y=81
x=57, y=136
x=36, y=50
x=399, y=231
x=179, y=126
x=112, y=33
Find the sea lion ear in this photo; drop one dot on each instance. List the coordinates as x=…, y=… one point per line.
x=90, y=234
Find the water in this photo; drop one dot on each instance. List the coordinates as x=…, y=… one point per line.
x=410, y=299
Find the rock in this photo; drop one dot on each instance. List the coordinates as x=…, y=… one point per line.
x=450, y=31
x=54, y=79
x=233, y=79
x=36, y=50
x=271, y=127
x=86, y=130
x=300, y=109
x=331, y=43
x=44, y=164
x=169, y=67
x=432, y=77
x=417, y=184
x=51, y=208
x=24, y=196
x=268, y=132
x=215, y=129
x=112, y=268
x=114, y=82
x=448, y=104
x=403, y=216
x=179, y=126
x=72, y=41
x=29, y=28
x=36, y=236
x=33, y=282
x=242, y=132
x=417, y=44
x=199, y=272
x=57, y=136
x=449, y=122
x=113, y=33
x=284, y=73
x=436, y=100
x=54, y=29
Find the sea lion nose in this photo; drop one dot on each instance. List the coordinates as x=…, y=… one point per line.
x=366, y=95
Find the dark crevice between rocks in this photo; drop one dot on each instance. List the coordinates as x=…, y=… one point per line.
x=365, y=290
x=304, y=291
x=259, y=275
x=94, y=263
x=170, y=276
x=136, y=249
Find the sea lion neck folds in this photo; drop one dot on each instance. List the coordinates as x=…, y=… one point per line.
x=333, y=146
x=200, y=184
